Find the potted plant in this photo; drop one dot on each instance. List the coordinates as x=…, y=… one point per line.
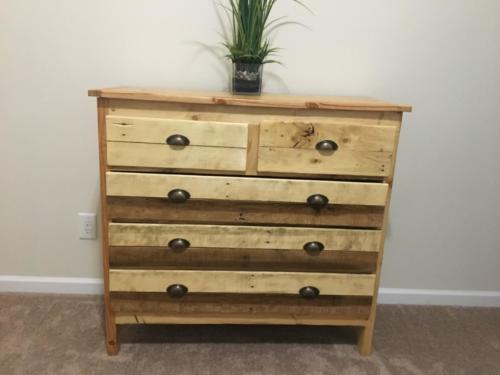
x=250, y=46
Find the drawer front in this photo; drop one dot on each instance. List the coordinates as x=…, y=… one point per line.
x=355, y=150
x=147, y=143
x=245, y=188
x=241, y=282
x=246, y=237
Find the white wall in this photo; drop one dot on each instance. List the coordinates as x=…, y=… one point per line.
x=441, y=56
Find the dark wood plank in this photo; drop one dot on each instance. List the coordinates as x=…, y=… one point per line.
x=157, y=210
x=243, y=259
x=337, y=307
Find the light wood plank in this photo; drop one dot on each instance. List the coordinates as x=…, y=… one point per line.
x=365, y=339
x=341, y=162
x=264, y=100
x=245, y=188
x=251, y=115
x=252, y=149
x=112, y=344
x=123, y=154
x=241, y=282
x=156, y=130
x=204, y=318
x=306, y=134
x=247, y=237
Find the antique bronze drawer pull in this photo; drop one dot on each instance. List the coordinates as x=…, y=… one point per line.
x=178, y=140
x=317, y=201
x=314, y=247
x=178, y=195
x=327, y=145
x=177, y=290
x=309, y=292
x=179, y=244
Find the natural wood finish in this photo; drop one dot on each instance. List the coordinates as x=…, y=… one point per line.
x=250, y=115
x=264, y=100
x=245, y=264
x=162, y=257
x=365, y=341
x=306, y=134
x=248, y=237
x=343, y=162
x=156, y=130
x=252, y=149
x=125, y=154
x=336, y=307
x=127, y=280
x=245, y=188
x=277, y=319
x=161, y=210
x=112, y=345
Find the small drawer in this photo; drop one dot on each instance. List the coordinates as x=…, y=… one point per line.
x=180, y=283
x=173, y=144
x=184, y=236
x=323, y=148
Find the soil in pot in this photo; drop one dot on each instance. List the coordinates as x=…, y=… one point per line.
x=247, y=78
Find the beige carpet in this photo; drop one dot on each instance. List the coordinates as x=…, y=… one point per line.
x=41, y=334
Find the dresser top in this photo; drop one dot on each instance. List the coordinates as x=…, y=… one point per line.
x=264, y=100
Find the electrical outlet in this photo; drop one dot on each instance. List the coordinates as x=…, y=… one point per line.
x=87, y=226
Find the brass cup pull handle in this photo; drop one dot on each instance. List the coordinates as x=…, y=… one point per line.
x=317, y=201
x=178, y=195
x=177, y=140
x=179, y=244
x=177, y=290
x=314, y=247
x=327, y=145
x=309, y=292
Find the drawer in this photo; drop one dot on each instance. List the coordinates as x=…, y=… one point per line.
x=240, y=282
x=137, y=142
x=324, y=148
x=244, y=237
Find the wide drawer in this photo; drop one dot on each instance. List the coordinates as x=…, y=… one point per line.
x=240, y=282
x=246, y=237
x=326, y=148
x=245, y=188
x=137, y=142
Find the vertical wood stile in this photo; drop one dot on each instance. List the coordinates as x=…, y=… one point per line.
x=112, y=345
x=365, y=341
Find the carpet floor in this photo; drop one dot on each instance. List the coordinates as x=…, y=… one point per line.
x=54, y=334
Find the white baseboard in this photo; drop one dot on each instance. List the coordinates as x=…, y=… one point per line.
x=60, y=285
x=74, y=285
x=439, y=297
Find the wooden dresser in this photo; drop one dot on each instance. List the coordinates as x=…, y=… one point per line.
x=221, y=209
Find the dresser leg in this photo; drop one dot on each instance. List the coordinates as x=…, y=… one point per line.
x=112, y=345
x=365, y=340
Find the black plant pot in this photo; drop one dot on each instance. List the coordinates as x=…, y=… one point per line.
x=247, y=78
